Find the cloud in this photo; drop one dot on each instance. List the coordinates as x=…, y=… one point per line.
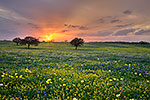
x=115, y=21
x=104, y=33
x=106, y=19
x=53, y=16
x=124, y=32
x=143, y=32
x=125, y=25
x=64, y=31
x=73, y=26
x=11, y=28
x=8, y=24
x=76, y=26
x=11, y=15
x=65, y=24
x=83, y=28
x=98, y=34
x=3, y=10
x=101, y=20
x=33, y=25
x=128, y=12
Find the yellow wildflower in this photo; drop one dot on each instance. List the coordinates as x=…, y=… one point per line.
x=2, y=75
x=121, y=79
x=20, y=76
x=114, y=78
x=64, y=84
x=82, y=81
x=49, y=80
x=59, y=78
x=75, y=99
x=118, y=95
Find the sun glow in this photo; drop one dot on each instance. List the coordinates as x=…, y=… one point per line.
x=48, y=38
x=53, y=37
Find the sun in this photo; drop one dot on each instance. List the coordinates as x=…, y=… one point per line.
x=48, y=38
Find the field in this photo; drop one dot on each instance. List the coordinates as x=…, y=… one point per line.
x=96, y=71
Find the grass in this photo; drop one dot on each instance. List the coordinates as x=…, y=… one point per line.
x=58, y=71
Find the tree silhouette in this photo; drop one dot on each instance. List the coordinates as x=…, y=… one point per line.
x=23, y=42
x=16, y=40
x=29, y=40
x=77, y=42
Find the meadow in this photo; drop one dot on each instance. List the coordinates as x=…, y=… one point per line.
x=96, y=71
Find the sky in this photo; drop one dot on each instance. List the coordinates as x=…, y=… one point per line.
x=60, y=20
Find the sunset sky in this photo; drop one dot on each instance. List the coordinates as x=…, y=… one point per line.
x=92, y=20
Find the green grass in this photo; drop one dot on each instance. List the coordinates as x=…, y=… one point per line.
x=58, y=71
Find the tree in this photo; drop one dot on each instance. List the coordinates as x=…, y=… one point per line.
x=143, y=42
x=29, y=40
x=23, y=42
x=77, y=42
x=16, y=40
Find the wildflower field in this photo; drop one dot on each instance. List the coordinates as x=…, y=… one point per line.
x=96, y=71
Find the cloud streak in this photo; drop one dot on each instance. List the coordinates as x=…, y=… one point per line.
x=98, y=34
x=128, y=12
x=143, y=32
x=124, y=32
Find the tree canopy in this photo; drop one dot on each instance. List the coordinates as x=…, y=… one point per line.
x=16, y=40
x=29, y=40
x=77, y=42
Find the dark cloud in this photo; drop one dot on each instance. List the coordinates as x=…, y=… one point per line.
x=101, y=20
x=143, y=32
x=64, y=31
x=108, y=19
x=104, y=33
x=105, y=19
x=33, y=25
x=99, y=34
x=128, y=12
x=124, y=32
x=65, y=24
x=73, y=26
x=76, y=26
x=82, y=34
x=115, y=20
x=125, y=25
x=83, y=28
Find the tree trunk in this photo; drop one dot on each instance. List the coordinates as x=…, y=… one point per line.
x=28, y=46
x=17, y=43
x=76, y=47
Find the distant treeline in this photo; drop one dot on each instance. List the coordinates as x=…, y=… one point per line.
x=118, y=42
